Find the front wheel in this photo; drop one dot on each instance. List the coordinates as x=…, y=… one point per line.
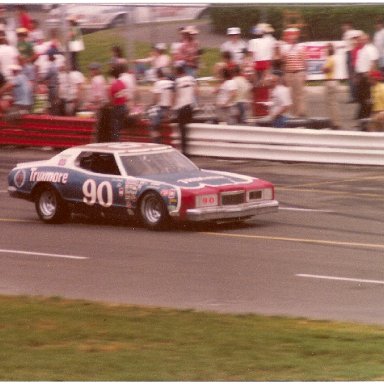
x=153, y=212
x=50, y=207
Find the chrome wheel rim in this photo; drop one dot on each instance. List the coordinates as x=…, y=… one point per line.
x=151, y=209
x=48, y=204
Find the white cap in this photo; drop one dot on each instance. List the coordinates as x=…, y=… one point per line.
x=234, y=31
x=355, y=33
x=161, y=46
x=191, y=29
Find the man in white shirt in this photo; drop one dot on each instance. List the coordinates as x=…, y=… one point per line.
x=235, y=45
x=262, y=48
x=8, y=56
x=280, y=101
x=378, y=41
x=184, y=98
x=71, y=85
x=162, y=92
x=226, y=98
x=366, y=61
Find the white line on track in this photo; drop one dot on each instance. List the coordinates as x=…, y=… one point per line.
x=341, y=279
x=12, y=251
x=305, y=209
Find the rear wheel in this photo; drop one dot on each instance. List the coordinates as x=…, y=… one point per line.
x=153, y=212
x=50, y=207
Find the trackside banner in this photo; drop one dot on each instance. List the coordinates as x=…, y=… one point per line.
x=316, y=54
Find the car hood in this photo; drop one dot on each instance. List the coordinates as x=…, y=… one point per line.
x=202, y=178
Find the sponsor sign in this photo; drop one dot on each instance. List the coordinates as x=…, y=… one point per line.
x=316, y=54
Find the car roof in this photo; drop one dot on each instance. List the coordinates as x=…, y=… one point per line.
x=126, y=148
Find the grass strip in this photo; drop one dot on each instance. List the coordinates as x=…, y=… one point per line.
x=49, y=339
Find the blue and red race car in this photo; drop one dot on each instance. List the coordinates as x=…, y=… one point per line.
x=152, y=182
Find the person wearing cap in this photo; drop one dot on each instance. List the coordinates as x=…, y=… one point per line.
x=159, y=59
x=366, y=61
x=235, y=45
x=331, y=87
x=349, y=34
x=24, y=46
x=260, y=46
x=377, y=98
x=294, y=60
x=189, y=52
x=20, y=86
x=75, y=41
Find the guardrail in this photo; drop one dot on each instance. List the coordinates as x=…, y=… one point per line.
x=289, y=144
x=216, y=140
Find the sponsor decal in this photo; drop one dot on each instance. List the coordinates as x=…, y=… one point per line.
x=19, y=178
x=199, y=179
x=53, y=177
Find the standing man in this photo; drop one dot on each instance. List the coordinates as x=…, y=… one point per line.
x=118, y=100
x=366, y=61
x=162, y=101
x=331, y=87
x=350, y=35
x=184, y=99
x=235, y=45
x=378, y=41
x=21, y=88
x=75, y=43
x=293, y=57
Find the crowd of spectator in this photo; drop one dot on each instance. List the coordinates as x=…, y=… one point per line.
x=40, y=75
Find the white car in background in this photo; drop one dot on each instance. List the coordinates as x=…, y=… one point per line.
x=94, y=17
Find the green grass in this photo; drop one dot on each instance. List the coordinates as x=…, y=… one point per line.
x=98, y=48
x=55, y=339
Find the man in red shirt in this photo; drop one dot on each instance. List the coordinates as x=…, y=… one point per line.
x=118, y=99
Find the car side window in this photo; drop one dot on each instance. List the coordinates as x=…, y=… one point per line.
x=98, y=162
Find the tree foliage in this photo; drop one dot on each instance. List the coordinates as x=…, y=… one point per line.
x=322, y=21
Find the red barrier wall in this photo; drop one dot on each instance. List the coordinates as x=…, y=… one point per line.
x=64, y=132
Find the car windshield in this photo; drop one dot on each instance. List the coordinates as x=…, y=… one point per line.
x=157, y=163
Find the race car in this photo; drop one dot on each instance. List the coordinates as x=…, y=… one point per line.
x=154, y=183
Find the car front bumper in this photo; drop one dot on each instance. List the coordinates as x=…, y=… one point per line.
x=232, y=212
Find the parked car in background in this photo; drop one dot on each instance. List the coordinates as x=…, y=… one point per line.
x=154, y=183
x=94, y=17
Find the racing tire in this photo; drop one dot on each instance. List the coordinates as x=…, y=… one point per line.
x=50, y=207
x=152, y=211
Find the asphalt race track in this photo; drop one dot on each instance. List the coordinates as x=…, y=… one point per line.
x=320, y=257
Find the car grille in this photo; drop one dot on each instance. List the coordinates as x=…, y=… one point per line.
x=255, y=195
x=232, y=198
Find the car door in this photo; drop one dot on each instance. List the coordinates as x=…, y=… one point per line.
x=96, y=183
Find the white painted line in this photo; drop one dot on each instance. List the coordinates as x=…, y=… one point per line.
x=342, y=279
x=305, y=210
x=43, y=254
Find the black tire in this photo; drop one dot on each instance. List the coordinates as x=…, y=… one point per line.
x=50, y=207
x=152, y=211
